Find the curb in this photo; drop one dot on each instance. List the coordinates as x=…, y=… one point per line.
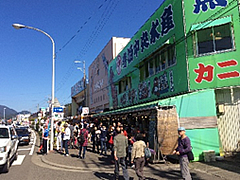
x=75, y=168
x=104, y=168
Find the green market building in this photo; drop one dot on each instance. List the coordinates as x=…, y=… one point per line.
x=182, y=69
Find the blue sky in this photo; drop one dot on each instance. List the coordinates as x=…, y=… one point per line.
x=80, y=29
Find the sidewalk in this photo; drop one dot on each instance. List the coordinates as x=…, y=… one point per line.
x=226, y=169
x=92, y=161
x=229, y=168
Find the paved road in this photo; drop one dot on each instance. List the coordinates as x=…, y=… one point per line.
x=31, y=166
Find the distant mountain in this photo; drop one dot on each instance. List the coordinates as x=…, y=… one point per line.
x=9, y=113
x=24, y=112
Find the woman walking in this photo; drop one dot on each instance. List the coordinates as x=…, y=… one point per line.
x=138, y=156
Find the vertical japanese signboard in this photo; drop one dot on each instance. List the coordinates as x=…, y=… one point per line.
x=163, y=30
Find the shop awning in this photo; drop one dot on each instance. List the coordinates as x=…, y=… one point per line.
x=131, y=109
x=211, y=23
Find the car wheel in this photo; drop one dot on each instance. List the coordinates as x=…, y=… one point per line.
x=6, y=166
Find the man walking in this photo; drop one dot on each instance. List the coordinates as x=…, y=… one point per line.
x=120, y=146
x=184, y=146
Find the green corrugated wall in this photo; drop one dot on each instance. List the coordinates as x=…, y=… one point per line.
x=197, y=104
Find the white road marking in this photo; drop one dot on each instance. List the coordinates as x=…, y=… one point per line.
x=33, y=145
x=19, y=160
x=27, y=149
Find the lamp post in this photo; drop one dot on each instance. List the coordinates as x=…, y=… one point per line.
x=84, y=79
x=4, y=113
x=20, y=26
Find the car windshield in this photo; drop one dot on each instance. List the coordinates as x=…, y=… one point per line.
x=22, y=131
x=4, y=133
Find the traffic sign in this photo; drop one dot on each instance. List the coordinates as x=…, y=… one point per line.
x=57, y=109
x=85, y=110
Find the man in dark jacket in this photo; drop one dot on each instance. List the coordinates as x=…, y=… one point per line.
x=120, y=146
x=184, y=146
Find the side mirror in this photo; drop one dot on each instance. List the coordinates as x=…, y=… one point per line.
x=14, y=137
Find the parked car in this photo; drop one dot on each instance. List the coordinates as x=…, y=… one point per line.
x=23, y=135
x=8, y=146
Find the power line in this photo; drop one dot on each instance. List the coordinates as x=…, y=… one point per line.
x=84, y=24
x=105, y=16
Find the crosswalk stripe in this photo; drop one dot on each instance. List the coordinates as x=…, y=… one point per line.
x=19, y=160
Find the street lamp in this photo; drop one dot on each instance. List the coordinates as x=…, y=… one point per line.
x=4, y=113
x=20, y=26
x=84, y=79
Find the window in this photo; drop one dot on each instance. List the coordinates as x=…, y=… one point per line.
x=223, y=38
x=125, y=84
x=171, y=55
x=164, y=58
x=142, y=74
x=4, y=133
x=151, y=67
x=214, y=39
x=157, y=63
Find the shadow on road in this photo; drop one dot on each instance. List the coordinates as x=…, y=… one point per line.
x=228, y=163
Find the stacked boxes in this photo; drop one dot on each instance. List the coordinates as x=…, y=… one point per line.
x=209, y=156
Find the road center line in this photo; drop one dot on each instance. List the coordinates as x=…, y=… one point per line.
x=33, y=145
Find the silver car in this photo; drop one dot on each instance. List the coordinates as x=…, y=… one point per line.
x=8, y=146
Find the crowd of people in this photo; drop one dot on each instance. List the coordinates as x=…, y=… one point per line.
x=126, y=144
x=100, y=136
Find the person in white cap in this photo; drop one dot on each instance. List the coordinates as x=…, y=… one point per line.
x=184, y=146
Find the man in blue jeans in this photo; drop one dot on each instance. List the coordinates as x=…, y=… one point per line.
x=120, y=146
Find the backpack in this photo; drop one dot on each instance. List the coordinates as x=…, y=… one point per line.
x=147, y=152
x=81, y=138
